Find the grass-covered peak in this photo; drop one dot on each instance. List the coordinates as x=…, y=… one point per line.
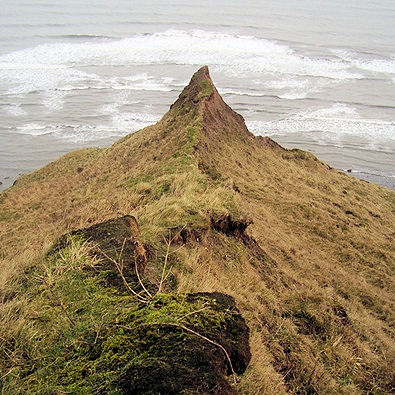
x=200, y=87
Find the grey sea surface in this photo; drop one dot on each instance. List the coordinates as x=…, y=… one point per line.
x=317, y=75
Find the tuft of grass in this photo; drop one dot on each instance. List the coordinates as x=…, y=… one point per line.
x=206, y=89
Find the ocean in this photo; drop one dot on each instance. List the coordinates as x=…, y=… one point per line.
x=318, y=75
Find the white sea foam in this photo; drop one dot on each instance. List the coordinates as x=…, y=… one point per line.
x=83, y=81
x=14, y=109
x=285, y=88
x=293, y=95
x=334, y=124
x=232, y=53
x=129, y=122
x=54, y=70
x=24, y=80
x=240, y=92
x=109, y=108
x=336, y=110
x=376, y=65
x=296, y=88
x=138, y=82
x=84, y=133
x=53, y=100
x=119, y=125
x=71, y=132
x=118, y=100
x=51, y=69
x=32, y=129
x=137, y=77
x=386, y=66
x=286, y=83
x=147, y=85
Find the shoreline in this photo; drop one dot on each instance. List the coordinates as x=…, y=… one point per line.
x=384, y=181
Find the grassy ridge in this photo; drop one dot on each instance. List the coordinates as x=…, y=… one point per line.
x=316, y=289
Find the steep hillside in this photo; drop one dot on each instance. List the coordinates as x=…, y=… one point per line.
x=306, y=252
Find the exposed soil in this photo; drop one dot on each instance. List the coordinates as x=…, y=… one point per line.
x=115, y=240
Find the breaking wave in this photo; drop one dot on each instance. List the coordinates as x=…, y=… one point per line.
x=119, y=125
x=336, y=125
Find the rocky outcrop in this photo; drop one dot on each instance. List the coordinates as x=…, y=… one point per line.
x=193, y=357
x=166, y=343
x=115, y=239
x=230, y=226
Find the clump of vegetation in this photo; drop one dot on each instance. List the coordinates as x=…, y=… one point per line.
x=205, y=90
x=82, y=335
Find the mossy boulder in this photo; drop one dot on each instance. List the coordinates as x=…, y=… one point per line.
x=132, y=341
x=187, y=355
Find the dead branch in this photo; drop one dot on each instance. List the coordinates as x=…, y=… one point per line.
x=192, y=313
x=169, y=241
x=120, y=271
x=140, y=282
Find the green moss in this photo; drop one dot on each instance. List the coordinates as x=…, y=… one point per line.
x=162, y=189
x=87, y=337
x=192, y=133
x=134, y=181
x=206, y=89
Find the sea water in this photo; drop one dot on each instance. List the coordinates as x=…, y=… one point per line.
x=312, y=74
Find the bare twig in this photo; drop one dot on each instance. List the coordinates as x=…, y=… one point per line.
x=167, y=275
x=191, y=313
x=169, y=241
x=136, y=268
x=186, y=330
x=120, y=271
x=102, y=320
x=287, y=372
x=5, y=375
x=140, y=282
x=165, y=264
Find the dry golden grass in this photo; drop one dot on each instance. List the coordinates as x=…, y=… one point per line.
x=320, y=306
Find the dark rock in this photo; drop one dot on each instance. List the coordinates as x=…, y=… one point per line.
x=180, y=362
x=234, y=338
x=172, y=343
x=79, y=169
x=231, y=226
x=342, y=314
x=349, y=170
x=115, y=239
